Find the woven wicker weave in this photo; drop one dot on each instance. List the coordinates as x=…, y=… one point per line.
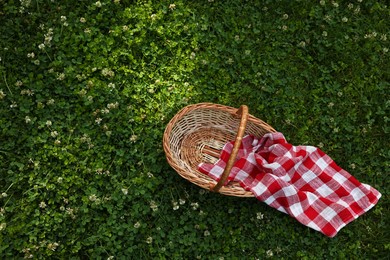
x=197, y=133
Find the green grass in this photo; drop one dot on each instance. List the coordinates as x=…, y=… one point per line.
x=82, y=169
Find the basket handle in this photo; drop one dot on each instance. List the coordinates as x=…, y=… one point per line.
x=243, y=111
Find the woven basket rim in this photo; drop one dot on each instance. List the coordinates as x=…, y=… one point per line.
x=206, y=182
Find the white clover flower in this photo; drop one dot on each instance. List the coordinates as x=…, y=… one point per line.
x=52, y=246
x=92, y=197
x=25, y=3
x=63, y=18
x=350, y=6
x=113, y=105
x=322, y=2
x=50, y=102
x=149, y=174
x=60, y=179
x=19, y=83
x=149, y=240
x=175, y=205
x=385, y=50
x=206, y=233
x=41, y=46
x=27, y=119
x=259, y=215
x=98, y=120
x=98, y=4
x=54, y=134
x=285, y=16
x=57, y=142
x=192, y=56
x=153, y=16
x=125, y=191
x=324, y=33
x=3, y=226
x=357, y=10
x=2, y=94
x=37, y=62
x=172, y=6
x=61, y=76
x=335, y=4
x=42, y=205
x=194, y=205
x=107, y=72
x=3, y=195
x=28, y=92
x=48, y=40
x=269, y=253
x=182, y=202
x=31, y=55
x=82, y=20
x=48, y=123
x=133, y=138
x=153, y=205
x=137, y=225
x=344, y=19
x=105, y=111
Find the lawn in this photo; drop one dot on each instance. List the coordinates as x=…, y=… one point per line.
x=88, y=87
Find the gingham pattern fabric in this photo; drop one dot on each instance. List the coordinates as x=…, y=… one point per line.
x=301, y=181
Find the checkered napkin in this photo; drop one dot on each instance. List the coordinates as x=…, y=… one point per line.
x=301, y=181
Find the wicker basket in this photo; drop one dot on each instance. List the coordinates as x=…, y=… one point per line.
x=197, y=133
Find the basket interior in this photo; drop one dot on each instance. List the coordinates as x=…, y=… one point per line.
x=199, y=136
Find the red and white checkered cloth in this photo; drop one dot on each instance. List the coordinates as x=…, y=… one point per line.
x=301, y=181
